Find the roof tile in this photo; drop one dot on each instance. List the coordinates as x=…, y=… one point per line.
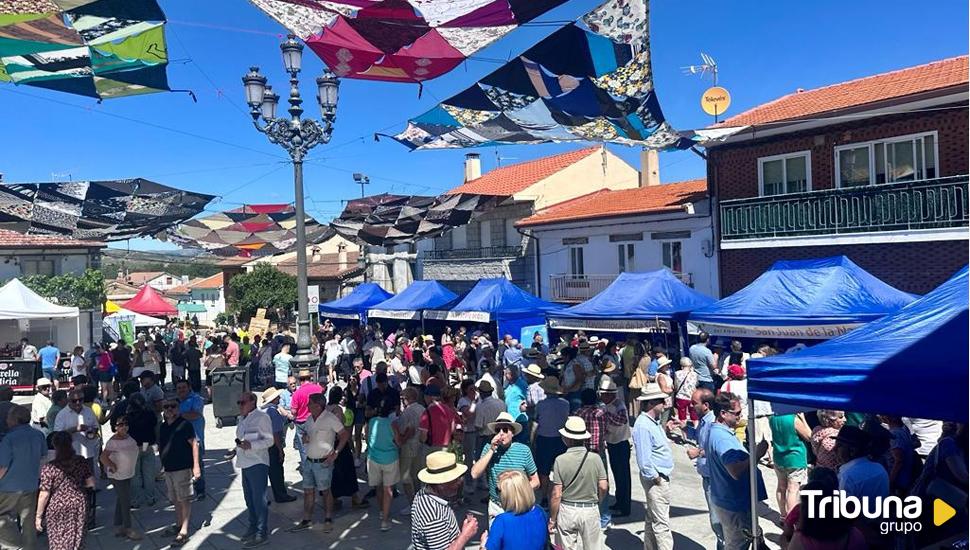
x=214, y=281
x=624, y=202
x=512, y=179
x=937, y=75
x=11, y=239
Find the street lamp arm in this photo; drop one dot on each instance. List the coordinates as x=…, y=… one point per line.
x=296, y=139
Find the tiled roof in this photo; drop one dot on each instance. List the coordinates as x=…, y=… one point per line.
x=326, y=267
x=937, y=75
x=607, y=203
x=214, y=281
x=13, y=239
x=512, y=179
x=139, y=278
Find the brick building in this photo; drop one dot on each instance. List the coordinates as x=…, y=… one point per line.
x=874, y=168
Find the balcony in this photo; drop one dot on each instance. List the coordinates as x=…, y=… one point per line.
x=928, y=204
x=474, y=253
x=579, y=288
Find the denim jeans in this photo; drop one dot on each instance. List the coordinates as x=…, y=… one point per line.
x=143, y=484
x=715, y=521
x=254, y=479
x=605, y=515
x=298, y=440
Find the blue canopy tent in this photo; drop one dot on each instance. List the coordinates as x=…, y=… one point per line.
x=813, y=299
x=634, y=302
x=496, y=301
x=355, y=304
x=860, y=370
x=410, y=303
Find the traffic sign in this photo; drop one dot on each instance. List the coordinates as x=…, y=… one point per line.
x=313, y=297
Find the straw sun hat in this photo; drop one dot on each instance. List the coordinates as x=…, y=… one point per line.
x=441, y=467
x=505, y=418
x=575, y=428
x=651, y=392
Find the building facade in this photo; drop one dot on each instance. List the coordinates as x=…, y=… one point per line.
x=25, y=255
x=491, y=245
x=874, y=168
x=582, y=245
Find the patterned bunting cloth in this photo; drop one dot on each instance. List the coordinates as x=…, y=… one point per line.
x=400, y=40
x=102, y=210
x=95, y=48
x=575, y=85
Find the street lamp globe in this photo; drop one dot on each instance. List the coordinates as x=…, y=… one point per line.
x=292, y=54
x=268, y=107
x=328, y=88
x=255, y=85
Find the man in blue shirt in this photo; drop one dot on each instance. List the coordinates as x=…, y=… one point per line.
x=49, y=356
x=21, y=452
x=190, y=408
x=703, y=359
x=728, y=464
x=655, y=463
x=516, y=393
x=703, y=402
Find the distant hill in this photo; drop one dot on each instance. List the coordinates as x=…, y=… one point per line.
x=177, y=262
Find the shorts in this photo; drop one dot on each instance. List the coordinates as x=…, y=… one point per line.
x=409, y=466
x=546, y=451
x=179, y=485
x=359, y=417
x=317, y=475
x=762, y=429
x=795, y=475
x=50, y=373
x=383, y=475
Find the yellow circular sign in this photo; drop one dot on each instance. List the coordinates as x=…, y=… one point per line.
x=715, y=101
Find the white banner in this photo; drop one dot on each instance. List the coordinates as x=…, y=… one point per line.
x=394, y=314
x=467, y=316
x=611, y=325
x=326, y=315
x=792, y=332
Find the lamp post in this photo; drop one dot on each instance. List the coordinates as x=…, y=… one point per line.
x=297, y=136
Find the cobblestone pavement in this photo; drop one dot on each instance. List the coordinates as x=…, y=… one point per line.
x=220, y=520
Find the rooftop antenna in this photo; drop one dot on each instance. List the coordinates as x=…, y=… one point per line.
x=707, y=67
x=715, y=100
x=499, y=158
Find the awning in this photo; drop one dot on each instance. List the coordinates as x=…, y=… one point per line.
x=413, y=300
x=496, y=300
x=355, y=304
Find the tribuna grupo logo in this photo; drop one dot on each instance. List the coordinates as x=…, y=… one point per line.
x=894, y=514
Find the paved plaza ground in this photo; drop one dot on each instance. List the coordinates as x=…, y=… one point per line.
x=218, y=522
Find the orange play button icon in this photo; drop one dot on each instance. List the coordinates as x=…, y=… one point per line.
x=942, y=512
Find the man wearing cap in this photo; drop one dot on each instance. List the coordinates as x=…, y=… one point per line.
x=271, y=406
x=41, y=405
x=728, y=464
x=534, y=394
x=617, y=443
x=501, y=454
x=550, y=417
x=433, y=522
x=579, y=484
x=859, y=475
x=437, y=422
x=299, y=408
x=655, y=464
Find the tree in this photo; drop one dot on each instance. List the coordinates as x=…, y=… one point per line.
x=85, y=291
x=264, y=286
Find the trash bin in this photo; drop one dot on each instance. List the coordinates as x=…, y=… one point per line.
x=227, y=385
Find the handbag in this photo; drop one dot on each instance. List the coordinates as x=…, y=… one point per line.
x=639, y=378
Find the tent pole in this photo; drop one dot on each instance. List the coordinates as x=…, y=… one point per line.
x=682, y=337
x=753, y=476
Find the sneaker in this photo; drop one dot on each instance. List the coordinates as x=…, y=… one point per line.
x=131, y=534
x=385, y=526
x=255, y=541
x=247, y=537
x=327, y=525
x=304, y=524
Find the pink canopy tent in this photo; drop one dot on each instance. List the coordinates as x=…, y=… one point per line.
x=149, y=302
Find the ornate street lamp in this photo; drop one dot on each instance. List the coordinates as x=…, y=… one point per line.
x=297, y=136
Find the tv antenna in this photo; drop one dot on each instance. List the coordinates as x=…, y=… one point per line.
x=708, y=67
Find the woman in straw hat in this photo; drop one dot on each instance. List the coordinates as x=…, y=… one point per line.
x=433, y=522
x=551, y=415
x=523, y=525
x=579, y=484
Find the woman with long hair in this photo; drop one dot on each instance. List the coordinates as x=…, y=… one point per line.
x=62, y=501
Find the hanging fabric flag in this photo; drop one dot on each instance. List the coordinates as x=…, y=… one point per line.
x=95, y=48
x=248, y=231
x=388, y=220
x=103, y=210
x=575, y=85
x=400, y=40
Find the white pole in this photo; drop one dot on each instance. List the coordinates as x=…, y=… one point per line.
x=753, y=477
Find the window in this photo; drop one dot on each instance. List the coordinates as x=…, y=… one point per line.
x=904, y=158
x=168, y=280
x=576, y=261
x=671, y=256
x=625, y=257
x=781, y=174
x=37, y=267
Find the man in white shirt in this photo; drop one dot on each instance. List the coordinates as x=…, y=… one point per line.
x=332, y=350
x=41, y=405
x=254, y=437
x=324, y=439
x=80, y=422
x=28, y=351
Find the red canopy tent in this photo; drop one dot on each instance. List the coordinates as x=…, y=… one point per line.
x=149, y=302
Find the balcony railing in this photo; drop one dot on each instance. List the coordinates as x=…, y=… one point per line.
x=579, y=288
x=928, y=204
x=474, y=253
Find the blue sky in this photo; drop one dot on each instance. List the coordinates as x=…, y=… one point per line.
x=764, y=50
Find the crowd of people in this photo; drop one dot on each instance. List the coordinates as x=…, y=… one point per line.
x=532, y=434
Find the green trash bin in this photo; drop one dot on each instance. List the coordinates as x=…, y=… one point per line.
x=227, y=385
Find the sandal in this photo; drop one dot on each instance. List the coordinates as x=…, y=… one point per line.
x=179, y=540
x=170, y=531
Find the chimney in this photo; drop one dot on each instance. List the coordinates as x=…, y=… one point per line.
x=342, y=256
x=473, y=167
x=649, y=167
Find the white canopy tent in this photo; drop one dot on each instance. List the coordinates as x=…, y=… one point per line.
x=19, y=303
x=140, y=320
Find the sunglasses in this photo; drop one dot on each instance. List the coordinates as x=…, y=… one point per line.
x=77, y=401
x=735, y=413
x=169, y=406
x=505, y=429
